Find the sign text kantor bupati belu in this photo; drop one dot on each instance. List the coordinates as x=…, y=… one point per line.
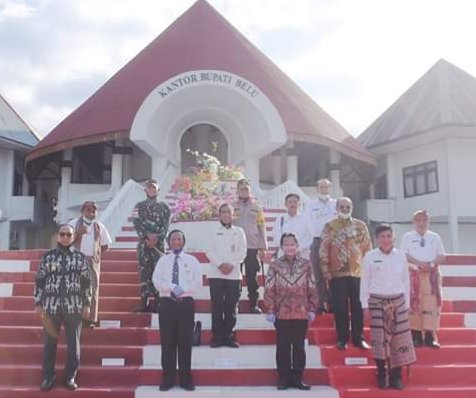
x=201, y=77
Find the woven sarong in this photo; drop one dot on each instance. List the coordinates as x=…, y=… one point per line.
x=425, y=297
x=391, y=339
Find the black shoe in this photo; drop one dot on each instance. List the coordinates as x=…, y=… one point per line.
x=362, y=344
x=395, y=381
x=231, y=342
x=187, y=385
x=254, y=309
x=88, y=324
x=70, y=384
x=283, y=383
x=321, y=310
x=381, y=374
x=300, y=385
x=47, y=384
x=430, y=340
x=166, y=385
x=143, y=306
x=417, y=338
x=215, y=343
x=341, y=345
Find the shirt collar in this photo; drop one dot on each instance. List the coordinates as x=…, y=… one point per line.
x=393, y=250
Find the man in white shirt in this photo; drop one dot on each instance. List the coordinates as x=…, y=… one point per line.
x=385, y=297
x=320, y=212
x=177, y=276
x=425, y=252
x=92, y=239
x=227, y=250
x=296, y=223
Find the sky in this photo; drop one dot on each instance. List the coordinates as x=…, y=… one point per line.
x=354, y=58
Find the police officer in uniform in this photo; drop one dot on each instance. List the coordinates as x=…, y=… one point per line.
x=250, y=217
x=151, y=221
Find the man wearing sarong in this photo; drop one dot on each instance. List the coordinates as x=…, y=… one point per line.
x=151, y=220
x=425, y=252
x=344, y=243
x=385, y=295
x=92, y=239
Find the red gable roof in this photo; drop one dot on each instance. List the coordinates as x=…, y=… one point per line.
x=199, y=39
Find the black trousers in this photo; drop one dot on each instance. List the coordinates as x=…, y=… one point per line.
x=290, y=351
x=51, y=331
x=176, y=321
x=251, y=270
x=323, y=294
x=224, y=295
x=345, y=291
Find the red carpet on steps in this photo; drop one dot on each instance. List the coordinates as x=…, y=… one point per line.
x=448, y=372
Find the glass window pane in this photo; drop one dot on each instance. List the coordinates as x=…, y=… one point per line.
x=432, y=181
x=420, y=184
x=408, y=181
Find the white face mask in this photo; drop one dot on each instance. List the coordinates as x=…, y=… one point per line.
x=324, y=196
x=88, y=220
x=345, y=216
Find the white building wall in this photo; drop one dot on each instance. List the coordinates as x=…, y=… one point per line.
x=435, y=203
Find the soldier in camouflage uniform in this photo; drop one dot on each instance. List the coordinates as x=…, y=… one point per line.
x=151, y=221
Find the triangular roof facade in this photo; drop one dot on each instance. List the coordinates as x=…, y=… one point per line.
x=199, y=39
x=444, y=95
x=14, y=132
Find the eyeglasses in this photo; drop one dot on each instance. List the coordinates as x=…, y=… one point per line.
x=65, y=234
x=422, y=242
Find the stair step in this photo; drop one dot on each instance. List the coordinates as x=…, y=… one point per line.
x=447, y=354
x=28, y=391
x=434, y=375
x=411, y=391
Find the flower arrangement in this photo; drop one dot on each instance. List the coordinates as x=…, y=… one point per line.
x=200, y=193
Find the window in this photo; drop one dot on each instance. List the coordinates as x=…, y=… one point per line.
x=420, y=179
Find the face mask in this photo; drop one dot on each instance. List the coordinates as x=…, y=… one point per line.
x=89, y=220
x=324, y=196
x=177, y=251
x=345, y=216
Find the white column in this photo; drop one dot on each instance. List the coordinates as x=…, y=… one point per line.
x=127, y=164
x=159, y=167
x=116, y=170
x=335, y=165
x=277, y=178
x=452, y=210
x=252, y=173
x=391, y=177
x=7, y=164
x=292, y=166
x=63, y=190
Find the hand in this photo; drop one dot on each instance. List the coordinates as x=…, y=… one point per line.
x=178, y=291
x=311, y=316
x=271, y=318
x=39, y=310
x=82, y=230
x=261, y=254
x=426, y=267
x=86, y=311
x=327, y=276
x=226, y=268
x=152, y=239
x=268, y=257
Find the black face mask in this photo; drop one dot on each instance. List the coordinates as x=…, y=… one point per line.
x=228, y=225
x=151, y=197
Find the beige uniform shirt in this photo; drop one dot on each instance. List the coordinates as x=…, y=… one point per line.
x=249, y=216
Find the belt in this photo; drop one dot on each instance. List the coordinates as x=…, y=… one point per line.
x=186, y=299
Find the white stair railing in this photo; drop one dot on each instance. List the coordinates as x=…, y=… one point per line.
x=116, y=213
x=274, y=199
x=166, y=180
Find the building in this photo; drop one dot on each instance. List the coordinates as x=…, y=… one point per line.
x=425, y=149
x=201, y=85
x=19, y=209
